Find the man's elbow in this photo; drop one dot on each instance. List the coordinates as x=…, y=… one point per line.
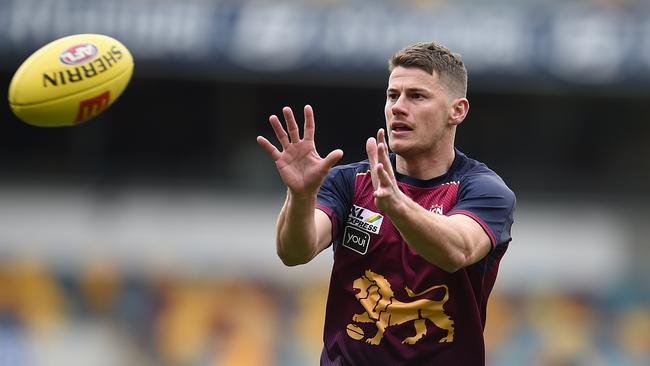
x=449, y=267
x=294, y=259
x=454, y=261
x=292, y=262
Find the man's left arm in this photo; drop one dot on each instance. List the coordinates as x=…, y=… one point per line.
x=449, y=242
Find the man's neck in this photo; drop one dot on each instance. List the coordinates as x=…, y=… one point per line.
x=425, y=167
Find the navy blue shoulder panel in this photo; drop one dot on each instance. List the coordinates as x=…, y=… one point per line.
x=484, y=195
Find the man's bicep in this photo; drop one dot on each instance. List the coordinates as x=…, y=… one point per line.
x=323, y=230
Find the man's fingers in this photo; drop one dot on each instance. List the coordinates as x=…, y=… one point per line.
x=269, y=147
x=310, y=124
x=371, y=150
x=333, y=157
x=382, y=151
x=381, y=136
x=384, y=180
x=280, y=133
x=382, y=157
x=292, y=126
x=383, y=175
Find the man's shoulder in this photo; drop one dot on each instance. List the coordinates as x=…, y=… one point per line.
x=468, y=165
x=474, y=173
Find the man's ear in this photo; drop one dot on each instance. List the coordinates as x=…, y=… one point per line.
x=459, y=110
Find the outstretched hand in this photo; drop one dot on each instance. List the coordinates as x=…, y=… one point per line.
x=387, y=194
x=300, y=166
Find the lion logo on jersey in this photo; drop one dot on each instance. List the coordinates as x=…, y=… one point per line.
x=376, y=296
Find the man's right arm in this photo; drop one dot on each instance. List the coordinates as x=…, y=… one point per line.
x=302, y=230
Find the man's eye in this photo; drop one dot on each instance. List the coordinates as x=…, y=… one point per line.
x=392, y=96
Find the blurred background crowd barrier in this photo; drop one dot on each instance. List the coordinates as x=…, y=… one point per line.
x=146, y=236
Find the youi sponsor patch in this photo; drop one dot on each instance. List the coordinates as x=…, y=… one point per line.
x=365, y=219
x=355, y=239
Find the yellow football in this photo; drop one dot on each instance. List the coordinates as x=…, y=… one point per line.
x=70, y=80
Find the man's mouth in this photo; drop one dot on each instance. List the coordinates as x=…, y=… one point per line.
x=400, y=127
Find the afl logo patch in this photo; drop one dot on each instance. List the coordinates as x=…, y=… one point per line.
x=78, y=54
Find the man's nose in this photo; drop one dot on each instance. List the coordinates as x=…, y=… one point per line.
x=399, y=107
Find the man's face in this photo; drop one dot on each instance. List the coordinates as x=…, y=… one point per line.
x=417, y=111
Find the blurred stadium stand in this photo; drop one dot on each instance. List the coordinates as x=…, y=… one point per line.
x=145, y=236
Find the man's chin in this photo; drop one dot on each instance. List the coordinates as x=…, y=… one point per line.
x=399, y=148
x=406, y=150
